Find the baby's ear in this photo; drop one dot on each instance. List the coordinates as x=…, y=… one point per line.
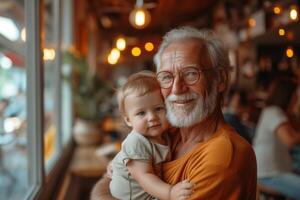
x=127, y=121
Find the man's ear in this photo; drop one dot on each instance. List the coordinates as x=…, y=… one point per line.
x=127, y=121
x=222, y=80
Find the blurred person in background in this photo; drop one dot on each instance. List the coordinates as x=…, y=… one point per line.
x=274, y=138
x=236, y=105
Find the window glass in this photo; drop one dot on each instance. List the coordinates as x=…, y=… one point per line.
x=13, y=116
x=66, y=96
x=50, y=86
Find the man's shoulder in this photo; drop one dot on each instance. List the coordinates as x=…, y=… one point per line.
x=230, y=136
x=226, y=147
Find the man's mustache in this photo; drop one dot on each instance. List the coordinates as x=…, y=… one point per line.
x=183, y=97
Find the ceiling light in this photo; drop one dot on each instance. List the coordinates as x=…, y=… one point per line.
x=139, y=17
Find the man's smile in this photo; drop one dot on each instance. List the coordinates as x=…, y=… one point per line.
x=182, y=102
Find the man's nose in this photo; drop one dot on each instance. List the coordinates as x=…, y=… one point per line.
x=179, y=85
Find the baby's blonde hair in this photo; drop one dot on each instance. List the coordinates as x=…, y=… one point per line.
x=138, y=84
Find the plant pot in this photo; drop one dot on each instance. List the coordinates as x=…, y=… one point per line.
x=87, y=132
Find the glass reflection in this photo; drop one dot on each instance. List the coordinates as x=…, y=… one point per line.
x=13, y=117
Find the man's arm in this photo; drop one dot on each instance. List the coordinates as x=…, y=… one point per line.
x=101, y=190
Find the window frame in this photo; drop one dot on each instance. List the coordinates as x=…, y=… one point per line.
x=33, y=63
x=42, y=184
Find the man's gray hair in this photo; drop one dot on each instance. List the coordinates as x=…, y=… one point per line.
x=217, y=54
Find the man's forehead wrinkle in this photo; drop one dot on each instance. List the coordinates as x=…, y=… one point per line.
x=173, y=55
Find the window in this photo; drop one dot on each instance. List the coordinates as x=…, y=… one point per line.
x=51, y=84
x=13, y=109
x=35, y=103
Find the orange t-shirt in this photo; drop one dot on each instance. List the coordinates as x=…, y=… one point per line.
x=222, y=168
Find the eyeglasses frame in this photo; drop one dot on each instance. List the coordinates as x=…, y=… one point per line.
x=194, y=67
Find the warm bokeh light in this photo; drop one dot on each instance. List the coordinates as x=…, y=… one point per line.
x=294, y=14
x=149, y=46
x=281, y=32
x=121, y=43
x=113, y=56
x=251, y=22
x=139, y=17
x=115, y=53
x=289, y=52
x=23, y=34
x=111, y=60
x=136, y=51
x=106, y=22
x=49, y=54
x=277, y=10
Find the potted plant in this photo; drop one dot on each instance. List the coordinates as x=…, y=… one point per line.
x=91, y=96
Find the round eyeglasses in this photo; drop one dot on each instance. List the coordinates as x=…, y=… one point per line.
x=190, y=76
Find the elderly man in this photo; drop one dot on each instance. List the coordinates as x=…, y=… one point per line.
x=193, y=70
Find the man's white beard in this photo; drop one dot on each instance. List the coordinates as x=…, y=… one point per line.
x=192, y=113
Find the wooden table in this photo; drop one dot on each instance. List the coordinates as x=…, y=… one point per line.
x=85, y=170
x=86, y=163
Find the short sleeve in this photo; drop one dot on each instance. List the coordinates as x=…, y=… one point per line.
x=136, y=147
x=276, y=117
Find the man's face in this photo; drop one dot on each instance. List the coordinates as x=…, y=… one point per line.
x=188, y=104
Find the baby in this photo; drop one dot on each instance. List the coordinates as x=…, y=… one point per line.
x=136, y=169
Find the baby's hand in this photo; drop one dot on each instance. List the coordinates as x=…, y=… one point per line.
x=181, y=191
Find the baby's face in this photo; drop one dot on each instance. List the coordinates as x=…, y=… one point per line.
x=146, y=114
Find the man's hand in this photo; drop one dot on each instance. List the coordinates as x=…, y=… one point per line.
x=181, y=191
x=101, y=190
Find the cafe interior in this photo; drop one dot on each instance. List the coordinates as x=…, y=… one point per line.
x=61, y=62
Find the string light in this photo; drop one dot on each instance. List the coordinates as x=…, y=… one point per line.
x=111, y=60
x=114, y=56
x=277, y=10
x=289, y=52
x=115, y=53
x=121, y=43
x=281, y=32
x=149, y=46
x=136, y=51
